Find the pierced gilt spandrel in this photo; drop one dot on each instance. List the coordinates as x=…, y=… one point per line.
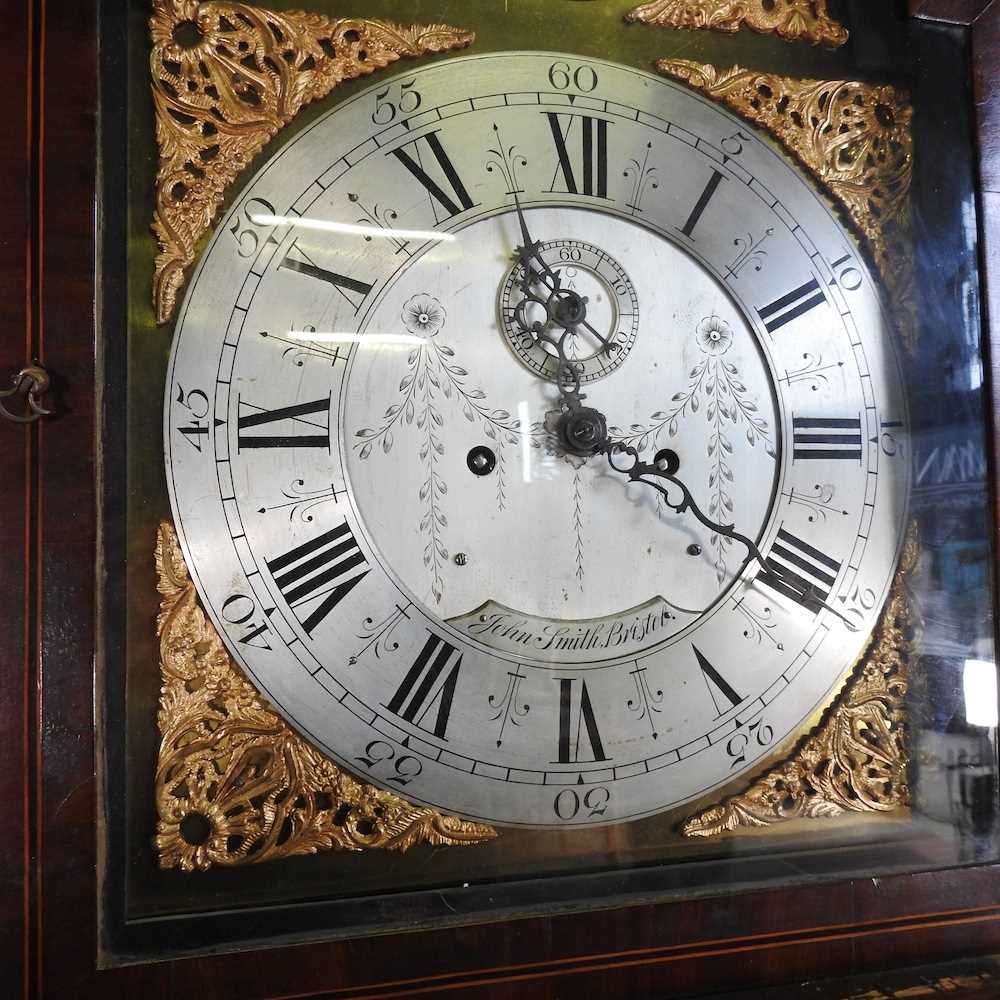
x=791, y=20
x=226, y=78
x=854, y=138
x=234, y=784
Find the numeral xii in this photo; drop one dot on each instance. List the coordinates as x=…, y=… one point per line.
x=585, y=172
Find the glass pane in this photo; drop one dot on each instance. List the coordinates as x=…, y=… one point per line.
x=423, y=307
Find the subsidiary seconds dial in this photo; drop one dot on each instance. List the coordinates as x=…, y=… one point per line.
x=368, y=460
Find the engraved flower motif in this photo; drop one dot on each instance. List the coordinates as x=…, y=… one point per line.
x=423, y=315
x=714, y=335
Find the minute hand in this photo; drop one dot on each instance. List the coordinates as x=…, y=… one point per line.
x=664, y=467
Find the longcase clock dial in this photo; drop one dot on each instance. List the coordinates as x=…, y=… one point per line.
x=372, y=483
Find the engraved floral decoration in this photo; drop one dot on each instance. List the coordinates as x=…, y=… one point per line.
x=714, y=336
x=715, y=389
x=423, y=315
x=226, y=78
x=433, y=380
x=234, y=784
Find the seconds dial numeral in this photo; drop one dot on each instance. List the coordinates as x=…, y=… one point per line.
x=317, y=575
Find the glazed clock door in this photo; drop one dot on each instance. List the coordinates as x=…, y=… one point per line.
x=518, y=510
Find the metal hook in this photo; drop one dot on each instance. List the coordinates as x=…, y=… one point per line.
x=31, y=383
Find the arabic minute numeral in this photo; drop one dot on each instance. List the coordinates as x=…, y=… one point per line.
x=241, y=611
x=733, y=145
x=196, y=403
x=569, y=802
x=889, y=438
x=849, y=278
x=379, y=752
x=582, y=77
x=396, y=100
x=247, y=231
x=756, y=737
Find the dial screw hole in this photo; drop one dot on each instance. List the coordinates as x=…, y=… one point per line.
x=481, y=460
x=694, y=549
x=195, y=829
x=461, y=558
x=187, y=34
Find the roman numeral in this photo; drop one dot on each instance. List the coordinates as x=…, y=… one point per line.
x=788, y=307
x=352, y=290
x=798, y=571
x=701, y=204
x=294, y=413
x=454, y=200
x=827, y=437
x=717, y=685
x=572, y=729
x=590, y=174
x=426, y=683
x=316, y=576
